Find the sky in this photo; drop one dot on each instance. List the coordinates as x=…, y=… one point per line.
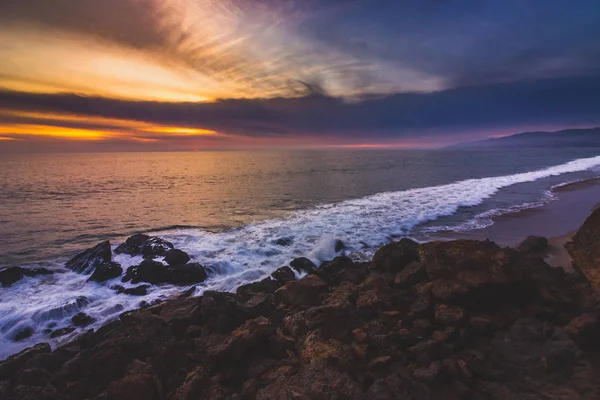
x=136, y=75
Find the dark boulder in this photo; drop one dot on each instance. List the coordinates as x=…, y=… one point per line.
x=148, y=271
x=176, y=257
x=106, y=271
x=23, y=334
x=284, y=241
x=584, y=330
x=90, y=259
x=187, y=274
x=330, y=269
x=82, y=319
x=11, y=275
x=156, y=247
x=222, y=312
x=14, y=362
x=284, y=275
x=339, y=245
x=61, y=332
x=393, y=257
x=303, y=264
x=303, y=292
x=140, y=290
x=535, y=245
x=133, y=245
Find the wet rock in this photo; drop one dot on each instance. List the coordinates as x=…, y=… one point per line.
x=188, y=274
x=23, y=334
x=16, y=361
x=90, y=259
x=339, y=245
x=82, y=319
x=332, y=271
x=303, y=264
x=133, y=245
x=148, y=271
x=106, y=271
x=393, y=257
x=267, y=285
x=156, y=247
x=9, y=276
x=304, y=291
x=176, y=257
x=285, y=241
x=283, y=275
x=533, y=245
x=61, y=332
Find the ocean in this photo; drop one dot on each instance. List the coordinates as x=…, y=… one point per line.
x=229, y=210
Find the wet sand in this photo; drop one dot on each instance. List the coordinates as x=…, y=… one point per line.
x=557, y=220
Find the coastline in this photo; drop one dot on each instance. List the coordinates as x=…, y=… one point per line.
x=557, y=220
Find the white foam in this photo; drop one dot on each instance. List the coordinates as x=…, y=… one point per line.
x=249, y=253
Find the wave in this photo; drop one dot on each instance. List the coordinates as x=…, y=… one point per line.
x=251, y=252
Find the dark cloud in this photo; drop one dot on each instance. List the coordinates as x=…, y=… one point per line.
x=443, y=114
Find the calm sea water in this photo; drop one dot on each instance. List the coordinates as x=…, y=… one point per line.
x=227, y=209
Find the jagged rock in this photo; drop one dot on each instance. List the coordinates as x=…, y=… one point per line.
x=176, y=257
x=478, y=274
x=584, y=249
x=332, y=271
x=413, y=274
x=9, y=276
x=135, y=387
x=188, y=274
x=533, y=245
x=16, y=361
x=90, y=259
x=304, y=291
x=82, y=319
x=106, y=271
x=267, y=285
x=156, y=247
x=222, y=312
x=283, y=275
x=133, y=245
x=303, y=264
x=393, y=257
x=247, y=336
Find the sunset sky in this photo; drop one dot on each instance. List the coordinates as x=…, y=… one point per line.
x=110, y=75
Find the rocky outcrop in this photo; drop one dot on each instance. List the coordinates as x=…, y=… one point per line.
x=442, y=320
x=88, y=260
x=533, y=245
x=155, y=272
x=10, y=276
x=176, y=257
x=144, y=245
x=584, y=249
x=106, y=271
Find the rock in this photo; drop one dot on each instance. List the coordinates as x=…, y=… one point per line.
x=140, y=290
x=90, y=259
x=106, y=271
x=222, y=312
x=332, y=270
x=430, y=375
x=133, y=245
x=176, y=257
x=393, y=257
x=284, y=275
x=23, y=334
x=247, y=336
x=584, y=330
x=82, y=319
x=448, y=315
x=135, y=387
x=536, y=245
x=267, y=285
x=9, y=276
x=148, y=271
x=16, y=361
x=303, y=292
x=303, y=264
x=60, y=332
x=188, y=274
x=475, y=274
x=285, y=241
x=413, y=274
x=584, y=249
x=395, y=386
x=156, y=247
x=339, y=245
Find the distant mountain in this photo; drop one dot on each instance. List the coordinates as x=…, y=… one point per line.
x=566, y=138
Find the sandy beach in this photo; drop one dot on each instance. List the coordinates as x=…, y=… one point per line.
x=557, y=220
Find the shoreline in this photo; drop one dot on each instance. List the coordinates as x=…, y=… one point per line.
x=557, y=220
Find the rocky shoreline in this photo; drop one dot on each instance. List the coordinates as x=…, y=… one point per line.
x=461, y=319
